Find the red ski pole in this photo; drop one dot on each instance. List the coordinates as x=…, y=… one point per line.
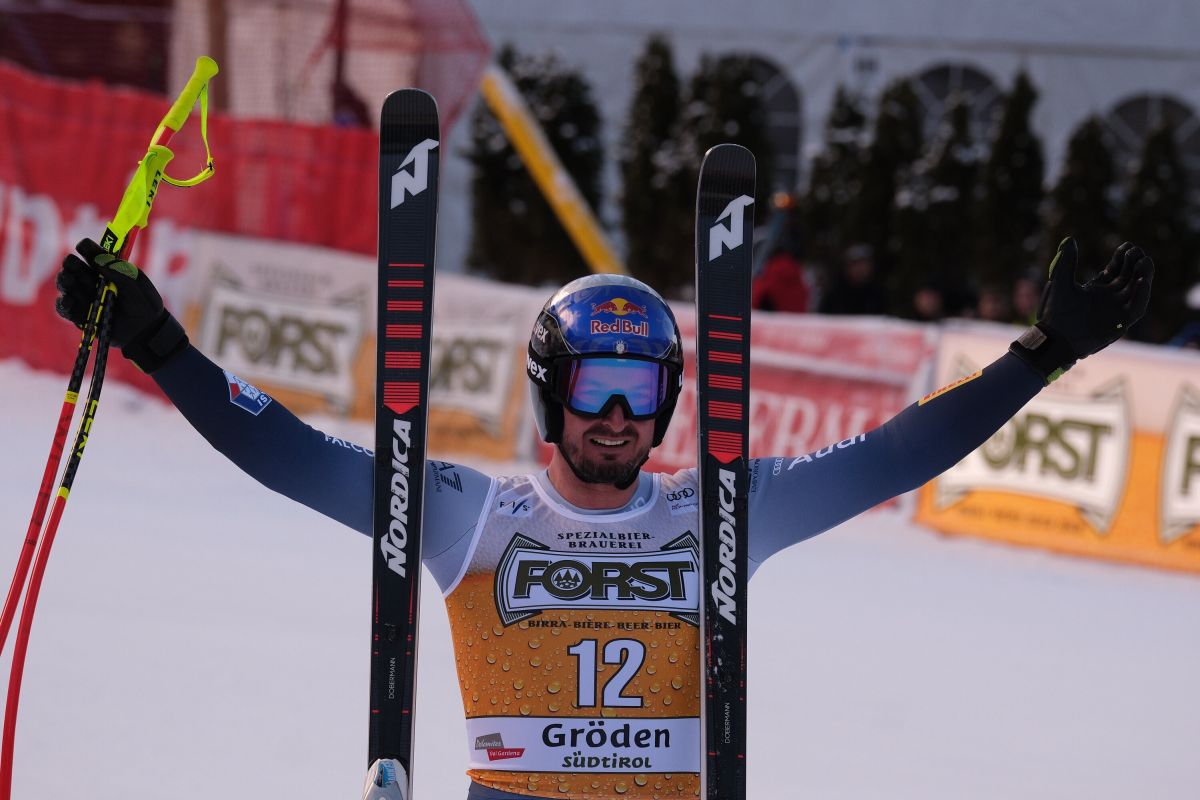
x=132, y=216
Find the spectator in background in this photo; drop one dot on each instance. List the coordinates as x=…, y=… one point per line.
x=856, y=289
x=1026, y=297
x=1188, y=336
x=928, y=303
x=783, y=284
x=993, y=304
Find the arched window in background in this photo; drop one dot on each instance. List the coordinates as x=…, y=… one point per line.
x=782, y=101
x=938, y=87
x=1133, y=119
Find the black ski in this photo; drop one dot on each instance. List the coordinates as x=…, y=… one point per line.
x=724, y=231
x=408, y=179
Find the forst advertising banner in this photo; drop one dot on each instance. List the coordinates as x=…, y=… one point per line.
x=1104, y=462
x=477, y=381
x=294, y=320
x=298, y=322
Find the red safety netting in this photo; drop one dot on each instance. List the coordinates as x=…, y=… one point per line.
x=70, y=149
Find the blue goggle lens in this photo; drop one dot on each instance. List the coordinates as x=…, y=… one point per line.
x=590, y=386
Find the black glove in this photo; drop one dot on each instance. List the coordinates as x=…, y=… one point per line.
x=1075, y=321
x=144, y=330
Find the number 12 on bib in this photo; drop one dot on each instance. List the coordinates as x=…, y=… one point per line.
x=724, y=233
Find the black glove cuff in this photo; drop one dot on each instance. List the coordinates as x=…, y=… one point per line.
x=1045, y=351
x=157, y=344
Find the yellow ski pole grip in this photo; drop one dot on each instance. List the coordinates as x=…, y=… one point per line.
x=205, y=69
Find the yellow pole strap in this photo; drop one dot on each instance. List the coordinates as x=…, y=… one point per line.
x=208, y=170
x=547, y=171
x=134, y=210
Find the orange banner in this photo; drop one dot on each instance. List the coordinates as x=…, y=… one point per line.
x=1104, y=462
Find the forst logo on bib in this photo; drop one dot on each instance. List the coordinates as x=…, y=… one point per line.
x=566, y=579
x=532, y=578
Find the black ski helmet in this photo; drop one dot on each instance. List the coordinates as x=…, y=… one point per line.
x=602, y=314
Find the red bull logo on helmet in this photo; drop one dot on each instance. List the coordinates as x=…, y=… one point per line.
x=620, y=307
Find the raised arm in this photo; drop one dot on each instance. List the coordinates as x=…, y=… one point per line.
x=258, y=434
x=269, y=443
x=795, y=498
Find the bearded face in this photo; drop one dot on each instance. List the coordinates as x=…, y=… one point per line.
x=608, y=449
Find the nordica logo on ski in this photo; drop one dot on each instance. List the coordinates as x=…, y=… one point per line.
x=532, y=578
x=394, y=543
x=725, y=586
x=728, y=237
x=416, y=181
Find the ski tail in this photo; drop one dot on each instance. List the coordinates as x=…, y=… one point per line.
x=408, y=181
x=724, y=234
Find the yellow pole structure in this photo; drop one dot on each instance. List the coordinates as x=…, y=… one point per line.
x=547, y=171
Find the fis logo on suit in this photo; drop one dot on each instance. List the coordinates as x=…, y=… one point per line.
x=416, y=181
x=532, y=578
x=730, y=237
x=519, y=507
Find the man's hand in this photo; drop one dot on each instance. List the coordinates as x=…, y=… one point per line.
x=386, y=780
x=141, y=326
x=1075, y=321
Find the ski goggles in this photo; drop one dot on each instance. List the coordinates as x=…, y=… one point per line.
x=591, y=386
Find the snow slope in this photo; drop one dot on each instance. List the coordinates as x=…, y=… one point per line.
x=200, y=637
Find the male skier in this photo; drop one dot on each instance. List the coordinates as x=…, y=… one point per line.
x=572, y=592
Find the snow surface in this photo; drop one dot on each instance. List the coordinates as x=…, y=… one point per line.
x=200, y=637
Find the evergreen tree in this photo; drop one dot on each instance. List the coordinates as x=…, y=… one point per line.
x=1081, y=203
x=658, y=187
x=936, y=206
x=1155, y=215
x=515, y=234
x=896, y=144
x=725, y=105
x=835, y=183
x=1009, y=223
x=910, y=268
